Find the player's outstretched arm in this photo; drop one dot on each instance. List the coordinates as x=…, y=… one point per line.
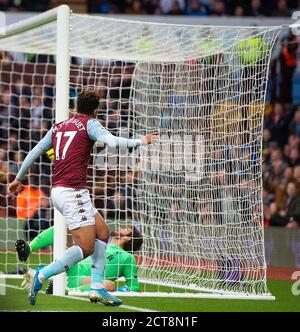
x=97, y=133
x=43, y=145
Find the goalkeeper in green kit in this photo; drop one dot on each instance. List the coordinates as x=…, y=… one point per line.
x=120, y=261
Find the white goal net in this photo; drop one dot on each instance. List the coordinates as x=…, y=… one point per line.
x=196, y=194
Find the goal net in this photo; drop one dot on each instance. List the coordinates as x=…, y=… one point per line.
x=196, y=194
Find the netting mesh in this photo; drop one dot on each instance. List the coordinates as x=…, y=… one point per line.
x=196, y=193
x=200, y=186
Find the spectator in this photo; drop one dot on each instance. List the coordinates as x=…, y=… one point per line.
x=166, y=5
x=294, y=157
x=266, y=143
x=282, y=9
x=280, y=186
x=18, y=90
x=4, y=115
x=135, y=8
x=289, y=215
x=4, y=171
x=5, y=57
x=278, y=124
x=99, y=6
x=197, y=8
x=37, y=112
x=218, y=8
x=175, y=9
x=239, y=11
x=296, y=175
x=24, y=120
x=293, y=141
x=295, y=124
x=15, y=163
x=12, y=145
x=256, y=8
x=152, y=7
x=49, y=91
x=102, y=88
x=288, y=64
x=158, y=10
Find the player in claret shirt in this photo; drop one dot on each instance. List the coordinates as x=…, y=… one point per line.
x=72, y=141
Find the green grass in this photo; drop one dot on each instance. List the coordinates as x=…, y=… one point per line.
x=8, y=261
x=15, y=299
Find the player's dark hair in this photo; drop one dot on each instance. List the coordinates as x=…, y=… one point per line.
x=136, y=241
x=87, y=101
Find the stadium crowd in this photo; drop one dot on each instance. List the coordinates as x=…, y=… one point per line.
x=26, y=113
x=279, y=8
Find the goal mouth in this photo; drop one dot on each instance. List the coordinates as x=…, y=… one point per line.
x=196, y=194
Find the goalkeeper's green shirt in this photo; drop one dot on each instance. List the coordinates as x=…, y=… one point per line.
x=119, y=263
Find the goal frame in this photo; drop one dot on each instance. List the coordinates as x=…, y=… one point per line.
x=61, y=15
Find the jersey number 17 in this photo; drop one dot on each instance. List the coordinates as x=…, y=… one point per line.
x=59, y=135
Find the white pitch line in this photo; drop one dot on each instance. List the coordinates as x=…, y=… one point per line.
x=121, y=306
x=87, y=300
x=31, y=311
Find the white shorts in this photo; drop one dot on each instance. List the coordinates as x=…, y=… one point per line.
x=75, y=205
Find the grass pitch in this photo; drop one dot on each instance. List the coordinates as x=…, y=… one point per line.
x=16, y=300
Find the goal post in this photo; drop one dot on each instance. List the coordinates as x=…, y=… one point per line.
x=61, y=113
x=196, y=194
x=61, y=16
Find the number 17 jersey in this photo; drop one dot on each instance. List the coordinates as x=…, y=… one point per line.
x=72, y=148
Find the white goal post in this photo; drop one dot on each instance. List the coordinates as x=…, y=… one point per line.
x=61, y=16
x=196, y=194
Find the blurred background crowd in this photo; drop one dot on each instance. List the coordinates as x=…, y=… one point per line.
x=26, y=113
x=279, y=8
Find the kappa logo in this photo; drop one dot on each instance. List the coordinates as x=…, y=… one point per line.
x=80, y=203
x=81, y=211
x=84, y=218
x=78, y=196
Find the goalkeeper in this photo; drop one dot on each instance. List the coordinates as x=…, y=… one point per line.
x=120, y=261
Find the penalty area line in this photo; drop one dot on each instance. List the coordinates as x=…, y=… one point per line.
x=124, y=306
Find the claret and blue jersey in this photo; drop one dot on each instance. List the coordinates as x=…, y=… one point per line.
x=72, y=141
